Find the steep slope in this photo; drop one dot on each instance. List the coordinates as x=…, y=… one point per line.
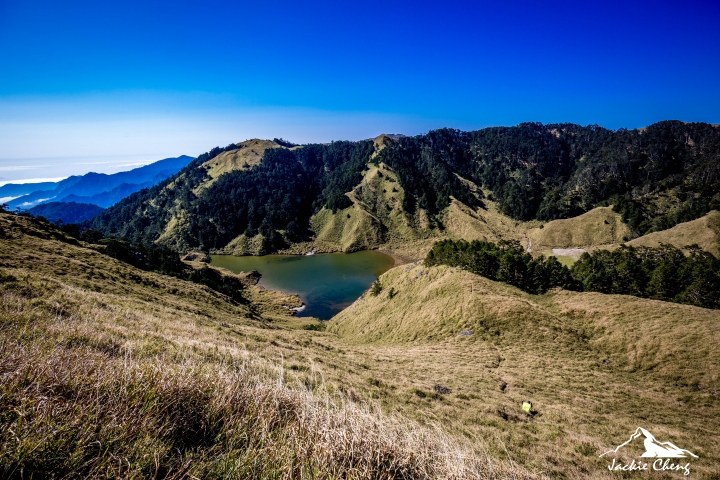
x=247, y=154
x=600, y=226
x=239, y=157
x=375, y=218
x=591, y=364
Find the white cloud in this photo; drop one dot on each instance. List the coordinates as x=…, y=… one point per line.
x=17, y=168
x=32, y=180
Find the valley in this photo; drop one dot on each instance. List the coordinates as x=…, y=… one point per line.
x=422, y=374
x=592, y=364
x=358, y=241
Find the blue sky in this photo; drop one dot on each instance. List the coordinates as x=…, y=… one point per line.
x=114, y=83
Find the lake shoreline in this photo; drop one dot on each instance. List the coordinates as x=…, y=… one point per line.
x=324, y=283
x=399, y=259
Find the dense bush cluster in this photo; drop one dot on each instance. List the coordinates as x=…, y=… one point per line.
x=662, y=273
x=505, y=262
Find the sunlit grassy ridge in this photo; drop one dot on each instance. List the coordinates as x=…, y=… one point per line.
x=112, y=372
x=242, y=156
x=246, y=155
x=592, y=364
x=704, y=231
x=600, y=226
x=375, y=219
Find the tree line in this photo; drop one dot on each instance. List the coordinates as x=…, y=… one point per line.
x=662, y=273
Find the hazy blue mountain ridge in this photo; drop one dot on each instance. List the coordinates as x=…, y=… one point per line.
x=111, y=197
x=17, y=189
x=103, y=189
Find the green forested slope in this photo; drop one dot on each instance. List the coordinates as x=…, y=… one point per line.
x=655, y=177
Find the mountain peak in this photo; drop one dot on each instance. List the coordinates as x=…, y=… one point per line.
x=247, y=154
x=384, y=139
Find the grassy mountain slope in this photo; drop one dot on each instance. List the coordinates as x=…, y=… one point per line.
x=374, y=219
x=377, y=219
x=295, y=400
x=242, y=156
x=704, y=231
x=247, y=154
x=599, y=226
x=110, y=371
x=377, y=201
x=594, y=365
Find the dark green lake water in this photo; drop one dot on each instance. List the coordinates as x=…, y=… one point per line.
x=327, y=283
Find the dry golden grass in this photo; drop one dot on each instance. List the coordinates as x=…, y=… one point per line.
x=81, y=404
x=242, y=245
x=599, y=226
x=248, y=154
x=595, y=366
x=111, y=372
x=704, y=231
x=465, y=223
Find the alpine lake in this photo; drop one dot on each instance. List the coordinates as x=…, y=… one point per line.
x=326, y=282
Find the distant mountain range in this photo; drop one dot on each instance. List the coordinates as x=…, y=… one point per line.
x=14, y=190
x=95, y=189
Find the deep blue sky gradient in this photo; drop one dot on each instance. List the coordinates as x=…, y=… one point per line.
x=411, y=66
